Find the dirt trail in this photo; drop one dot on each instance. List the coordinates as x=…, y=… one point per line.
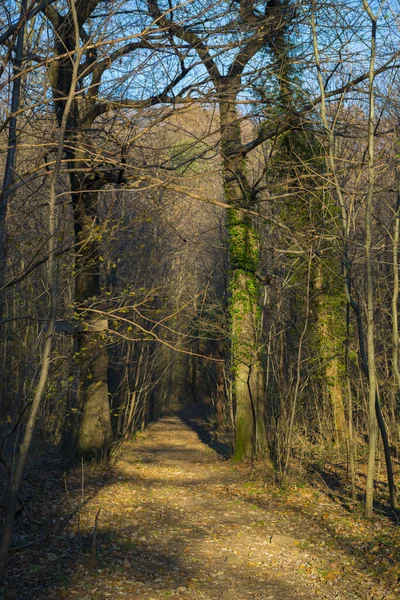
x=178, y=521
x=172, y=526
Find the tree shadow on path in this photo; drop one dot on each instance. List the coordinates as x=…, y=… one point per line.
x=198, y=418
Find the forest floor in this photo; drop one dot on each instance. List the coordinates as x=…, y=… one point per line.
x=179, y=521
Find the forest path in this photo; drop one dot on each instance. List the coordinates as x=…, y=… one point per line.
x=177, y=521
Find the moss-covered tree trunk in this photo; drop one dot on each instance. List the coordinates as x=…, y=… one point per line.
x=330, y=346
x=243, y=284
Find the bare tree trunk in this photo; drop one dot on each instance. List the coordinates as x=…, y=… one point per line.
x=395, y=302
x=350, y=408
x=372, y=421
x=133, y=401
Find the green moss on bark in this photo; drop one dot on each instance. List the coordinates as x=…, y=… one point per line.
x=243, y=441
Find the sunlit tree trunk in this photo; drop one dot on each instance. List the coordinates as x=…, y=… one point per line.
x=372, y=420
x=395, y=301
x=330, y=353
x=243, y=284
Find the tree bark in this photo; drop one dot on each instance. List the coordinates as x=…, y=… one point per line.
x=330, y=353
x=372, y=420
x=243, y=284
x=95, y=432
x=395, y=302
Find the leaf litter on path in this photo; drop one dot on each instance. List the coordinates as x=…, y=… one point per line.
x=177, y=522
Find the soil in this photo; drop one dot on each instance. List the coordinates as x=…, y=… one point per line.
x=176, y=520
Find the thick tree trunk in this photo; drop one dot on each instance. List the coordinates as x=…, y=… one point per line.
x=243, y=285
x=95, y=433
x=220, y=403
x=330, y=352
